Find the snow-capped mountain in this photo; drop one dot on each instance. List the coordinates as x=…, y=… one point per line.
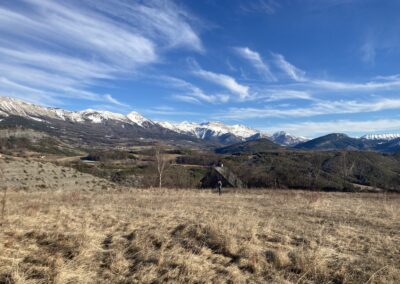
x=386, y=136
x=134, y=124
x=209, y=130
x=139, y=119
x=285, y=139
x=10, y=106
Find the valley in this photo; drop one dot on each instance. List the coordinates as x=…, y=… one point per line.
x=87, y=202
x=199, y=142
x=121, y=149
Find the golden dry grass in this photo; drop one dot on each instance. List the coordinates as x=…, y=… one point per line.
x=192, y=236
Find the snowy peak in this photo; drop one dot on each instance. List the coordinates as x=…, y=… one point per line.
x=138, y=119
x=285, y=139
x=237, y=129
x=10, y=106
x=101, y=116
x=386, y=136
x=209, y=130
x=182, y=127
x=216, y=131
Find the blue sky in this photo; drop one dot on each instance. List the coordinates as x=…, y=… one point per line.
x=309, y=67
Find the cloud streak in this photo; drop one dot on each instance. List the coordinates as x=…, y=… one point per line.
x=316, y=109
x=292, y=71
x=187, y=92
x=62, y=50
x=227, y=82
x=268, y=7
x=256, y=61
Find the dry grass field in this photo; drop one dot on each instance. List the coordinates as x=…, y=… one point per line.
x=192, y=236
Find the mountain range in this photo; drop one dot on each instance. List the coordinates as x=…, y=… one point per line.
x=339, y=141
x=131, y=126
x=103, y=126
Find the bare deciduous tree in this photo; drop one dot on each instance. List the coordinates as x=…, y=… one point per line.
x=161, y=163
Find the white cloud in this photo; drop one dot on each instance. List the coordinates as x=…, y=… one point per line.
x=278, y=95
x=368, y=52
x=350, y=86
x=169, y=111
x=114, y=101
x=256, y=61
x=225, y=81
x=163, y=20
x=292, y=71
x=317, y=108
x=298, y=75
x=190, y=93
x=260, y=6
x=62, y=49
x=313, y=129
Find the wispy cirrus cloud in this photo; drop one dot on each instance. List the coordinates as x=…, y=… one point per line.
x=227, y=82
x=388, y=84
x=163, y=21
x=168, y=111
x=376, y=84
x=278, y=95
x=63, y=49
x=187, y=92
x=368, y=52
x=256, y=61
x=292, y=71
x=316, y=109
x=260, y=6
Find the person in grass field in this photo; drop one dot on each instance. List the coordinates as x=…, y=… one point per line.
x=219, y=185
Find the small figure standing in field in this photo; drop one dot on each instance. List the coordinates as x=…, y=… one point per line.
x=219, y=187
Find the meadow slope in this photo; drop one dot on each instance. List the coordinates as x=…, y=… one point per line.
x=194, y=236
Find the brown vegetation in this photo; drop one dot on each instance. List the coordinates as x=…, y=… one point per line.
x=192, y=236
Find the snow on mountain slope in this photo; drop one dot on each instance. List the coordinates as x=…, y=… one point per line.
x=285, y=139
x=139, y=119
x=386, y=136
x=218, y=129
x=210, y=129
x=100, y=116
x=10, y=106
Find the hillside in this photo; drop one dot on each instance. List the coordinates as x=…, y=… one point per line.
x=391, y=146
x=25, y=141
x=256, y=146
x=325, y=170
x=28, y=174
x=336, y=141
